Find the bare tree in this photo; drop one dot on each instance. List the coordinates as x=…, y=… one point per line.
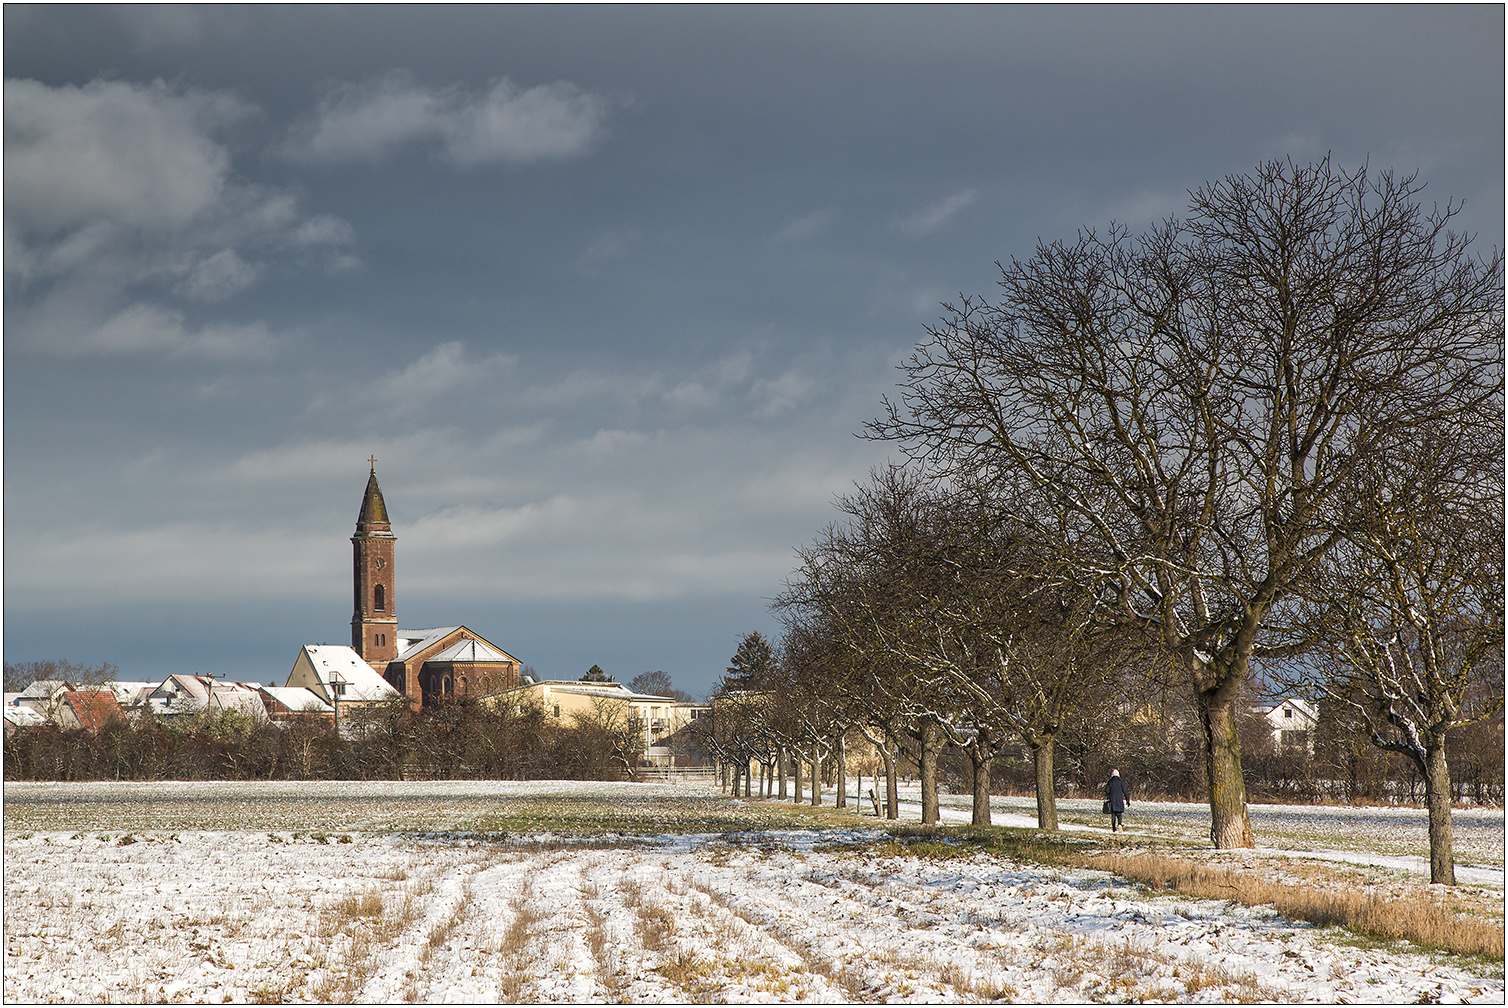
x=1182, y=414
x=1412, y=605
x=22, y=674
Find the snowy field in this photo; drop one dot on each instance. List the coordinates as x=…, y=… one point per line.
x=477, y=892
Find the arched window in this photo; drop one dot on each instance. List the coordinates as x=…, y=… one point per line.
x=379, y=599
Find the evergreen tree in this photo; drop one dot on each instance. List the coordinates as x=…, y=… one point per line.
x=752, y=664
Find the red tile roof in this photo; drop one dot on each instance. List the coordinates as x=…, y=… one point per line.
x=93, y=708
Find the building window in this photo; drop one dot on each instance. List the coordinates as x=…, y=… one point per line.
x=379, y=599
x=557, y=710
x=1287, y=712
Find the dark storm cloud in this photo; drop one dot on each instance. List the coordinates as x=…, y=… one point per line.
x=607, y=290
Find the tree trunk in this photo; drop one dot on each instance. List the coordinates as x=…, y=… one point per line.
x=892, y=786
x=1442, y=863
x=780, y=764
x=981, y=752
x=1230, y=827
x=1047, y=802
x=927, y=766
x=796, y=769
x=748, y=783
x=816, y=778
x=840, y=774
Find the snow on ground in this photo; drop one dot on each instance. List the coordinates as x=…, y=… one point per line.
x=1396, y=838
x=317, y=906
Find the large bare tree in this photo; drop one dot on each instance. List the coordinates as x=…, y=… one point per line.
x=1181, y=414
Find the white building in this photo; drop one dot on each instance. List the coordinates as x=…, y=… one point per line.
x=338, y=675
x=1292, y=722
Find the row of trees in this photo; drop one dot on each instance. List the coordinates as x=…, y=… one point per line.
x=448, y=742
x=1263, y=441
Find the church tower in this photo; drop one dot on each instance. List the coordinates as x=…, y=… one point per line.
x=374, y=627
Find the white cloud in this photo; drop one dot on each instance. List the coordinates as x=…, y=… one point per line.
x=149, y=329
x=371, y=120
x=806, y=227
x=608, y=246
x=1146, y=208
x=936, y=215
x=551, y=121
x=119, y=196
x=324, y=229
x=436, y=375
x=690, y=396
x=781, y=395
x=220, y=276
x=136, y=154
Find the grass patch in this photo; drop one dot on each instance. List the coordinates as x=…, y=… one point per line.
x=946, y=842
x=1412, y=916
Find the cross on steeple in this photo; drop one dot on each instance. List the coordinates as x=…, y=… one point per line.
x=373, y=460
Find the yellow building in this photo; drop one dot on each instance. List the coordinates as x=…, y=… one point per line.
x=569, y=701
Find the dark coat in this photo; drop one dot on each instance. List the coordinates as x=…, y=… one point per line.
x=1117, y=794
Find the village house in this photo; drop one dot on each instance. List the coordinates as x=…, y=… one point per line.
x=44, y=696
x=337, y=676
x=17, y=716
x=1292, y=722
x=287, y=704
x=91, y=709
x=181, y=695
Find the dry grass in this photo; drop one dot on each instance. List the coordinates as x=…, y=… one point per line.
x=1412, y=917
x=360, y=925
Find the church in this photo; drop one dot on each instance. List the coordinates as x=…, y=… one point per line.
x=427, y=666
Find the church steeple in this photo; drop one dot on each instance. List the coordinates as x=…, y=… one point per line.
x=373, y=517
x=374, y=625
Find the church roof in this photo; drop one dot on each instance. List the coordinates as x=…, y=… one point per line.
x=411, y=642
x=373, y=509
x=471, y=651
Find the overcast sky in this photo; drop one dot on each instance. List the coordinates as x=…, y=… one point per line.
x=608, y=291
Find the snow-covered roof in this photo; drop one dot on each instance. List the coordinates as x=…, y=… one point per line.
x=22, y=717
x=245, y=701
x=1293, y=703
x=43, y=689
x=183, y=685
x=327, y=660
x=127, y=693
x=470, y=651
x=411, y=642
x=298, y=698
x=614, y=690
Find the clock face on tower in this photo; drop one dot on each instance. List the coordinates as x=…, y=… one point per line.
x=380, y=563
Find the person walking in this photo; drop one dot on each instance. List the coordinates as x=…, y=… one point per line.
x=1117, y=797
